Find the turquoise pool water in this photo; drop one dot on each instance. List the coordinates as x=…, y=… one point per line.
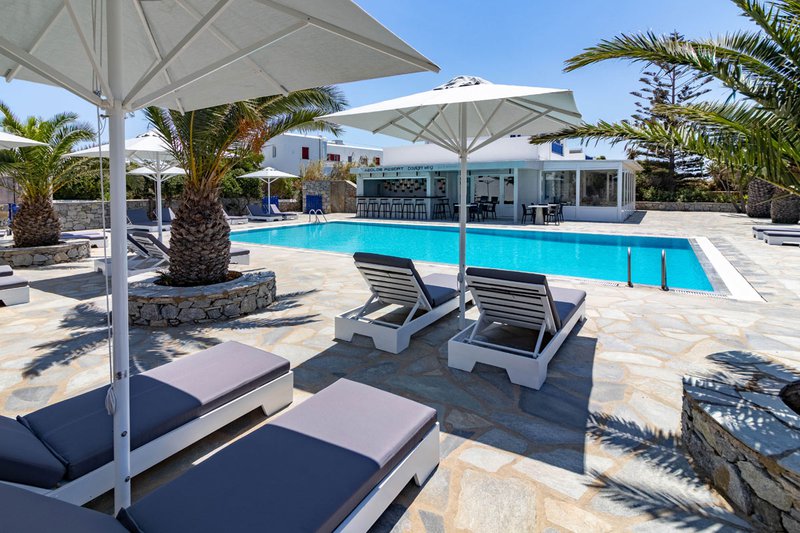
x=568, y=254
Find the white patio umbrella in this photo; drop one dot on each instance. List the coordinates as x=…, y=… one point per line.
x=184, y=55
x=147, y=149
x=463, y=116
x=9, y=141
x=268, y=175
x=159, y=177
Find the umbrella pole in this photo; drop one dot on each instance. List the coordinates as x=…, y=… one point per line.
x=158, y=200
x=462, y=219
x=119, y=394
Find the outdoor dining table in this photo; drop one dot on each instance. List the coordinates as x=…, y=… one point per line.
x=539, y=211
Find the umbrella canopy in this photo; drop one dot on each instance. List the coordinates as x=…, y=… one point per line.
x=184, y=55
x=462, y=116
x=268, y=175
x=146, y=149
x=152, y=173
x=9, y=141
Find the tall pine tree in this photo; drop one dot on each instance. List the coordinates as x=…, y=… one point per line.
x=666, y=168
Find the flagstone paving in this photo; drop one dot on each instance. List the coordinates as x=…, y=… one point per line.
x=597, y=448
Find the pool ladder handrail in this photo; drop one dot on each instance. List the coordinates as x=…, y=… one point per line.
x=317, y=213
x=664, y=286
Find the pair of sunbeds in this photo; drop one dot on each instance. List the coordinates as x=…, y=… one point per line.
x=150, y=254
x=506, y=299
x=333, y=463
x=778, y=234
x=138, y=219
x=13, y=289
x=258, y=214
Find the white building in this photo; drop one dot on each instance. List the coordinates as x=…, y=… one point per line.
x=513, y=173
x=290, y=152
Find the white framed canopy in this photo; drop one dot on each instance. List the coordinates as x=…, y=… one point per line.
x=268, y=175
x=184, y=55
x=9, y=141
x=462, y=116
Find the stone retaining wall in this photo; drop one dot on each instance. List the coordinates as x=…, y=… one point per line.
x=710, y=207
x=746, y=441
x=338, y=196
x=158, y=306
x=36, y=256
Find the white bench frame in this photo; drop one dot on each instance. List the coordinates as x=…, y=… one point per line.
x=270, y=397
x=15, y=296
x=390, y=286
x=776, y=238
x=532, y=310
x=758, y=231
x=417, y=465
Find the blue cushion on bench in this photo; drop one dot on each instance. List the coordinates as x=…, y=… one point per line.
x=79, y=430
x=24, y=459
x=305, y=471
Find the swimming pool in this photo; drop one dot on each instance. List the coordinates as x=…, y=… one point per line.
x=568, y=254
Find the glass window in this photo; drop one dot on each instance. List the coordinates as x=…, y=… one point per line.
x=486, y=188
x=304, y=151
x=559, y=187
x=508, y=190
x=599, y=188
x=274, y=151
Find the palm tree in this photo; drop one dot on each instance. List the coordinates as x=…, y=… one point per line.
x=207, y=143
x=39, y=171
x=759, y=133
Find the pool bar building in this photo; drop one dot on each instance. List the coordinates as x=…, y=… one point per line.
x=512, y=173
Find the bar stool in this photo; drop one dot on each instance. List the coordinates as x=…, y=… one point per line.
x=420, y=209
x=372, y=207
x=361, y=207
x=397, y=208
x=385, y=208
x=408, y=208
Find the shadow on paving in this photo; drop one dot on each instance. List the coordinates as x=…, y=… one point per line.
x=85, y=325
x=482, y=406
x=83, y=286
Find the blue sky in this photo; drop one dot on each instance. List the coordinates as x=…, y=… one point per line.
x=519, y=42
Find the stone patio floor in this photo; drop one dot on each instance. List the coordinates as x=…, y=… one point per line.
x=597, y=448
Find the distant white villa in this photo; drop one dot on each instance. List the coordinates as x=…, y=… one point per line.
x=290, y=152
x=513, y=173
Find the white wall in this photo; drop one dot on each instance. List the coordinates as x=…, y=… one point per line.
x=350, y=153
x=505, y=149
x=288, y=151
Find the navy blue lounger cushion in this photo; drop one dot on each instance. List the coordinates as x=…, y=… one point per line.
x=22, y=511
x=437, y=288
x=563, y=305
x=79, y=430
x=24, y=459
x=305, y=471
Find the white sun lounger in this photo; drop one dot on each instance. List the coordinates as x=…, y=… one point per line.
x=14, y=289
x=520, y=299
x=758, y=231
x=140, y=262
x=159, y=250
x=275, y=210
x=65, y=450
x=781, y=237
x=395, y=281
x=258, y=215
x=233, y=220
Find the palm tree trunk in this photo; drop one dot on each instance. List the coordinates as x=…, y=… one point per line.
x=36, y=224
x=785, y=208
x=759, y=194
x=200, y=242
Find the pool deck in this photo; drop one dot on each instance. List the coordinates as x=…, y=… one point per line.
x=595, y=449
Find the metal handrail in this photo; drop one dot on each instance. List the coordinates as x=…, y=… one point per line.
x=630, y=282
x=317, y=213
x=664, y=286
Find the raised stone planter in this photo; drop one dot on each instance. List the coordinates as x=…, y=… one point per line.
x=746, y=440
x=702, y=207
x=158, y=306
x=35, y=256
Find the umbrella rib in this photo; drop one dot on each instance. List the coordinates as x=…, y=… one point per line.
x=386, y=125
x=154, y=45
x=485, y=125
x=532, y=115
x=341, y=32
x=228, y=43
x=13, y=72
x=88, y=50
x=210, y=69
x=46, y=71
x=549, y=109
x=187, y=40
x=429, y=139
x=449, y=127
x=527, y=105
x=418, y=124
x=428, y=125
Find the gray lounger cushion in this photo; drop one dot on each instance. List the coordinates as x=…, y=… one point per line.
x=138, y=217
x=239, y=251
x=442, y=285
x=256, y=210
x=563, y=302
x=78, y=430
x=12, y=282
x=305, y=471
x=783, y=232
x=6, y=270
x=22, y=511
x=24, y=459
